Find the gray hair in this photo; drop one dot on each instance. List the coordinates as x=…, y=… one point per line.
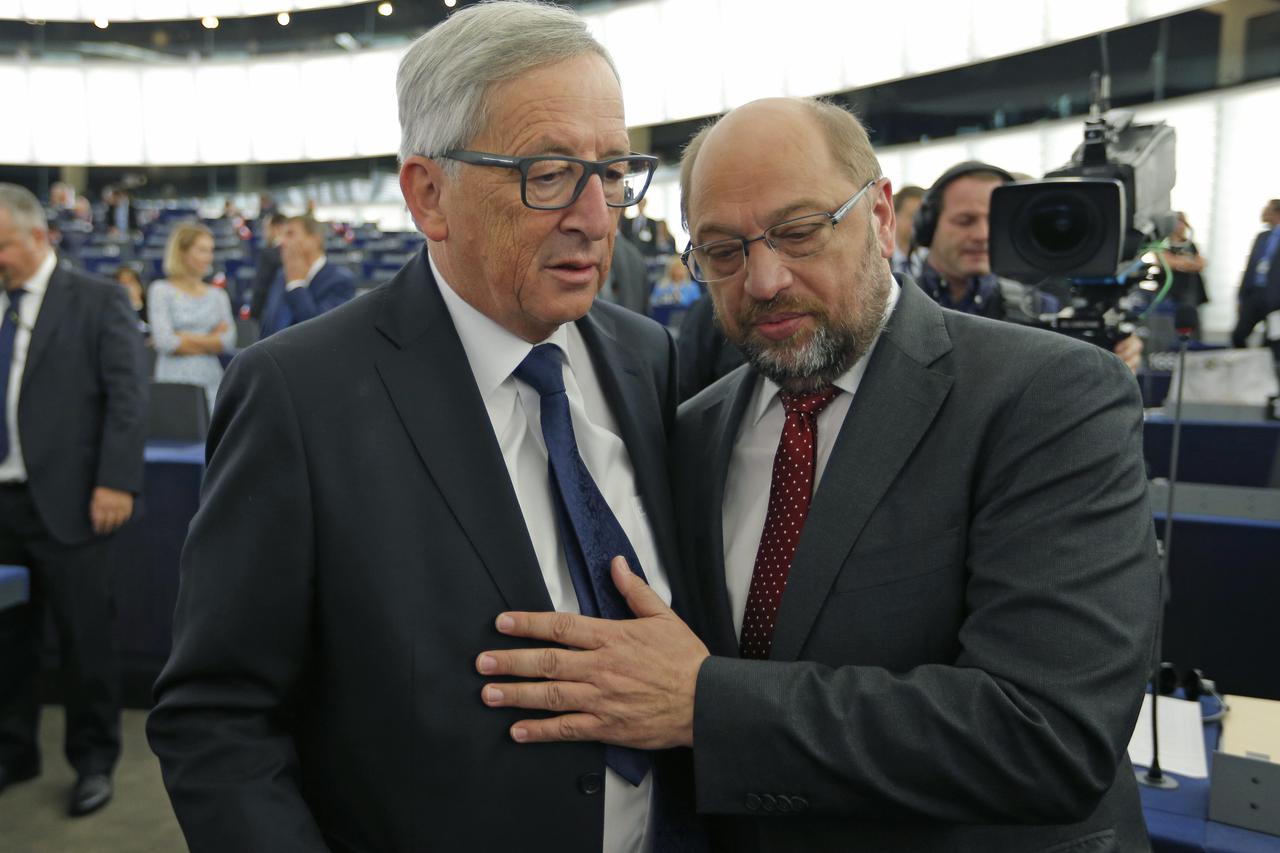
x=24, y=207
x=444, y=77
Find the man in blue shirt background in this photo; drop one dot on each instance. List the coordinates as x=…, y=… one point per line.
x=1260, y=286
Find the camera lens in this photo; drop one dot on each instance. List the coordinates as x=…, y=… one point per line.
x=1060, y=224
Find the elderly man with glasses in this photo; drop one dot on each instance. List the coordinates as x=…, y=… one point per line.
x=480, y=434
x=924, y=556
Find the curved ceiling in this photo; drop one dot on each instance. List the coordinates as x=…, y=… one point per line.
x=154, y=10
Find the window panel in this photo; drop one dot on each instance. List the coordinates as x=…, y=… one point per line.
x=171, y=117
x=57, y=114
x=115, y=115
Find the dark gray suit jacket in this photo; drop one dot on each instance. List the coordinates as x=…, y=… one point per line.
x=358, y=535
x=968, y=625
x=82, y=413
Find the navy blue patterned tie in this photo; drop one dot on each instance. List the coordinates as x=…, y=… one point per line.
x=8, y=332
x=588, y=529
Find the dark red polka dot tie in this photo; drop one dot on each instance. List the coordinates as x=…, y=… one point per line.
x=789, y=496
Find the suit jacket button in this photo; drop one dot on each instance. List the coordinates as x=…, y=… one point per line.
x=770, y=802
x=799, y=804
x=591, y=783
x=753, y=802
x=784, y=804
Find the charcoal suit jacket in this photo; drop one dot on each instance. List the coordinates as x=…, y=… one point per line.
x=967, y=628
x=358, y=535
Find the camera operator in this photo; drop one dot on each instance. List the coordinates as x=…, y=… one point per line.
x=952, y=223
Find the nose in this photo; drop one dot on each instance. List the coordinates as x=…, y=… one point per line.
x=765, y=274
x=589, y=214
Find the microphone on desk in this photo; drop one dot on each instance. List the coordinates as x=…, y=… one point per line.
x=1184, y=321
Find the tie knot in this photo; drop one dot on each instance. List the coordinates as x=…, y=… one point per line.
x=15, y=297
x=541, y=369
x=809, y=403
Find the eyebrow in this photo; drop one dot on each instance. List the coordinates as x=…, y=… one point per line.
x=547, y=147
x=777, y=216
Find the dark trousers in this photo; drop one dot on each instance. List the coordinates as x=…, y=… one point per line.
x=1254, y=306
x=73, y=581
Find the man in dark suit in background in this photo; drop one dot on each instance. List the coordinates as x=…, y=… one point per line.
x=941, y=647
x=1260, y=285
x=71, y=462
x=379, y=487
x=267, y=265
x=306, y=285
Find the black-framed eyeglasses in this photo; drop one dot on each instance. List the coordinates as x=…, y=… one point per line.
x=554, y=183
x=801, y=237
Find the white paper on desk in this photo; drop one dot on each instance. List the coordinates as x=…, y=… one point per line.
x=1181, y=737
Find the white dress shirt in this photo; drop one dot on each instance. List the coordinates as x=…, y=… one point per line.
x=746, y=487
x=14, y=469
x=515, y=411
x=316, y=266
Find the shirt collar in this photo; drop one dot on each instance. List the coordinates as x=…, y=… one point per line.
x=847, y=382
x=493, y=351
x=39, y=281
x=316, y=266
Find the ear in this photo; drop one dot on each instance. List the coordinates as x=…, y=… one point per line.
x=884, y=219
x=422, y=183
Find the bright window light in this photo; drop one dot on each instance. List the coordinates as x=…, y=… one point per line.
x=115, y=115
x=15, y=145
x=691, y=70
x=57, y=115
x=923, y=163
x=221, y=89
x=327, y=84
x=939, y=37
x=171, y=117
x=633, y=31
x=815, y=38
x=1002, y=27
x=881, y=57
x=1015, y=150
x=1084, y=17
x=273, y=114
x=374, y=114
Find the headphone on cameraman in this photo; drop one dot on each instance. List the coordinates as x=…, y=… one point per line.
x=925, y=222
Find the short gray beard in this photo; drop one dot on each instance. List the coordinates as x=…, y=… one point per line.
x=835, y=345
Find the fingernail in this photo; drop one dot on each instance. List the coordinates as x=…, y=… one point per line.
x=492, y=695
x=519, y=735
x=505, y=622
x=486, y=664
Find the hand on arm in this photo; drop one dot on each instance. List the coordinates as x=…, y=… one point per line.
x=629, y=682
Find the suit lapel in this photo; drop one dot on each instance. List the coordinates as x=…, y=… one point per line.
x=57, y=298
x=719, y=428
x=894, y=406
x=435, y=394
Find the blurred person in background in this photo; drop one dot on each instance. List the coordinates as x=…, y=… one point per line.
x=121, y=218
x=1186, y=264
x=676, y=288
x=267, y=264
x=1260, y=285
x=191, y=322
x=306, y=285
x=906, y=202
x=131, y=280
x=71, y=461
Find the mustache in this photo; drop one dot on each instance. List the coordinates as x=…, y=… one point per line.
x=781, y=304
